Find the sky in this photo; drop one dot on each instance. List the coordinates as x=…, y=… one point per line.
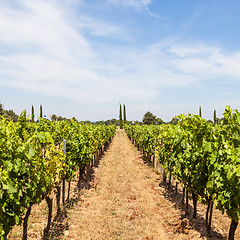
x=81, y=58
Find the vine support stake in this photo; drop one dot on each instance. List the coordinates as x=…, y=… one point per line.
x=58, y=197
x=155, y=155
x=183, y=196
x=186, y=202
x=63, y=180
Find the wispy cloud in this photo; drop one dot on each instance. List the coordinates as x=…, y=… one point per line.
x=44, y=48
x=98, y=27
x=131, y=3
x=46, y=52
x=169, y=64
x=137, y=4
x=206, y=61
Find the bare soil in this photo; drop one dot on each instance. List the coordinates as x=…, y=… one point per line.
x=123, y=198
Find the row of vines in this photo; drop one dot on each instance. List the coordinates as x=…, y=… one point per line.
x=203, y=157
x=33, y=163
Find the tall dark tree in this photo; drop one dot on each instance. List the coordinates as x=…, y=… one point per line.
x=200, y=111
x=41, y=114
x=120, y=117
x=32, y=116
x=149, y=118
x=124, y=114
x=22, y=120
x=215, y=117
x=1, y=109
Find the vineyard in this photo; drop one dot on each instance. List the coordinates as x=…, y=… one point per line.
x=201, y=158
x=38, y=157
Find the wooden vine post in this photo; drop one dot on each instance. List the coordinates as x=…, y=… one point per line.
x=63, y=180
x=155, y=155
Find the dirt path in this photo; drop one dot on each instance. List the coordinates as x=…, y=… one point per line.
x=125, y=201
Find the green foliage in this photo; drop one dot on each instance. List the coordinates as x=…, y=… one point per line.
x=8, y=114
x=149, y=118
x=32, y=160
x=174, y=121
x=32, y=115
x=120, y=117
x=159, y=121
x=41, y=111
x=54, y=118
x=124, y=114
x=107, y=122
x=1, y=109
x=215, y=117
x=202, y=156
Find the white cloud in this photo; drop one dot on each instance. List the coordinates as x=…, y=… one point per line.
x=43, y=49
x=98, y=27
x=132, y=3
x=206, y=61
x=194, y=50
x=45, y=52
x=138, y=4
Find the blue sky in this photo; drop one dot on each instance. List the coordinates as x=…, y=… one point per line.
x=83, y=57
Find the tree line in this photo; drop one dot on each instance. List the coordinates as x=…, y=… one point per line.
x=9, y=114
x=148, y=118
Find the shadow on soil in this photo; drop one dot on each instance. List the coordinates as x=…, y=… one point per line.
x=186, y=214
x=198, y=223
x=60, y=223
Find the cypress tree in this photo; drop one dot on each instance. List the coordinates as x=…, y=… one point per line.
x=124, y=114
x=120, y=117
x=200, y=111
x=32, y=114
x=41, y=111
x=215, y=117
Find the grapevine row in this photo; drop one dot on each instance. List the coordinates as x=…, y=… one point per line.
x=203, y=157
x=32, y=163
